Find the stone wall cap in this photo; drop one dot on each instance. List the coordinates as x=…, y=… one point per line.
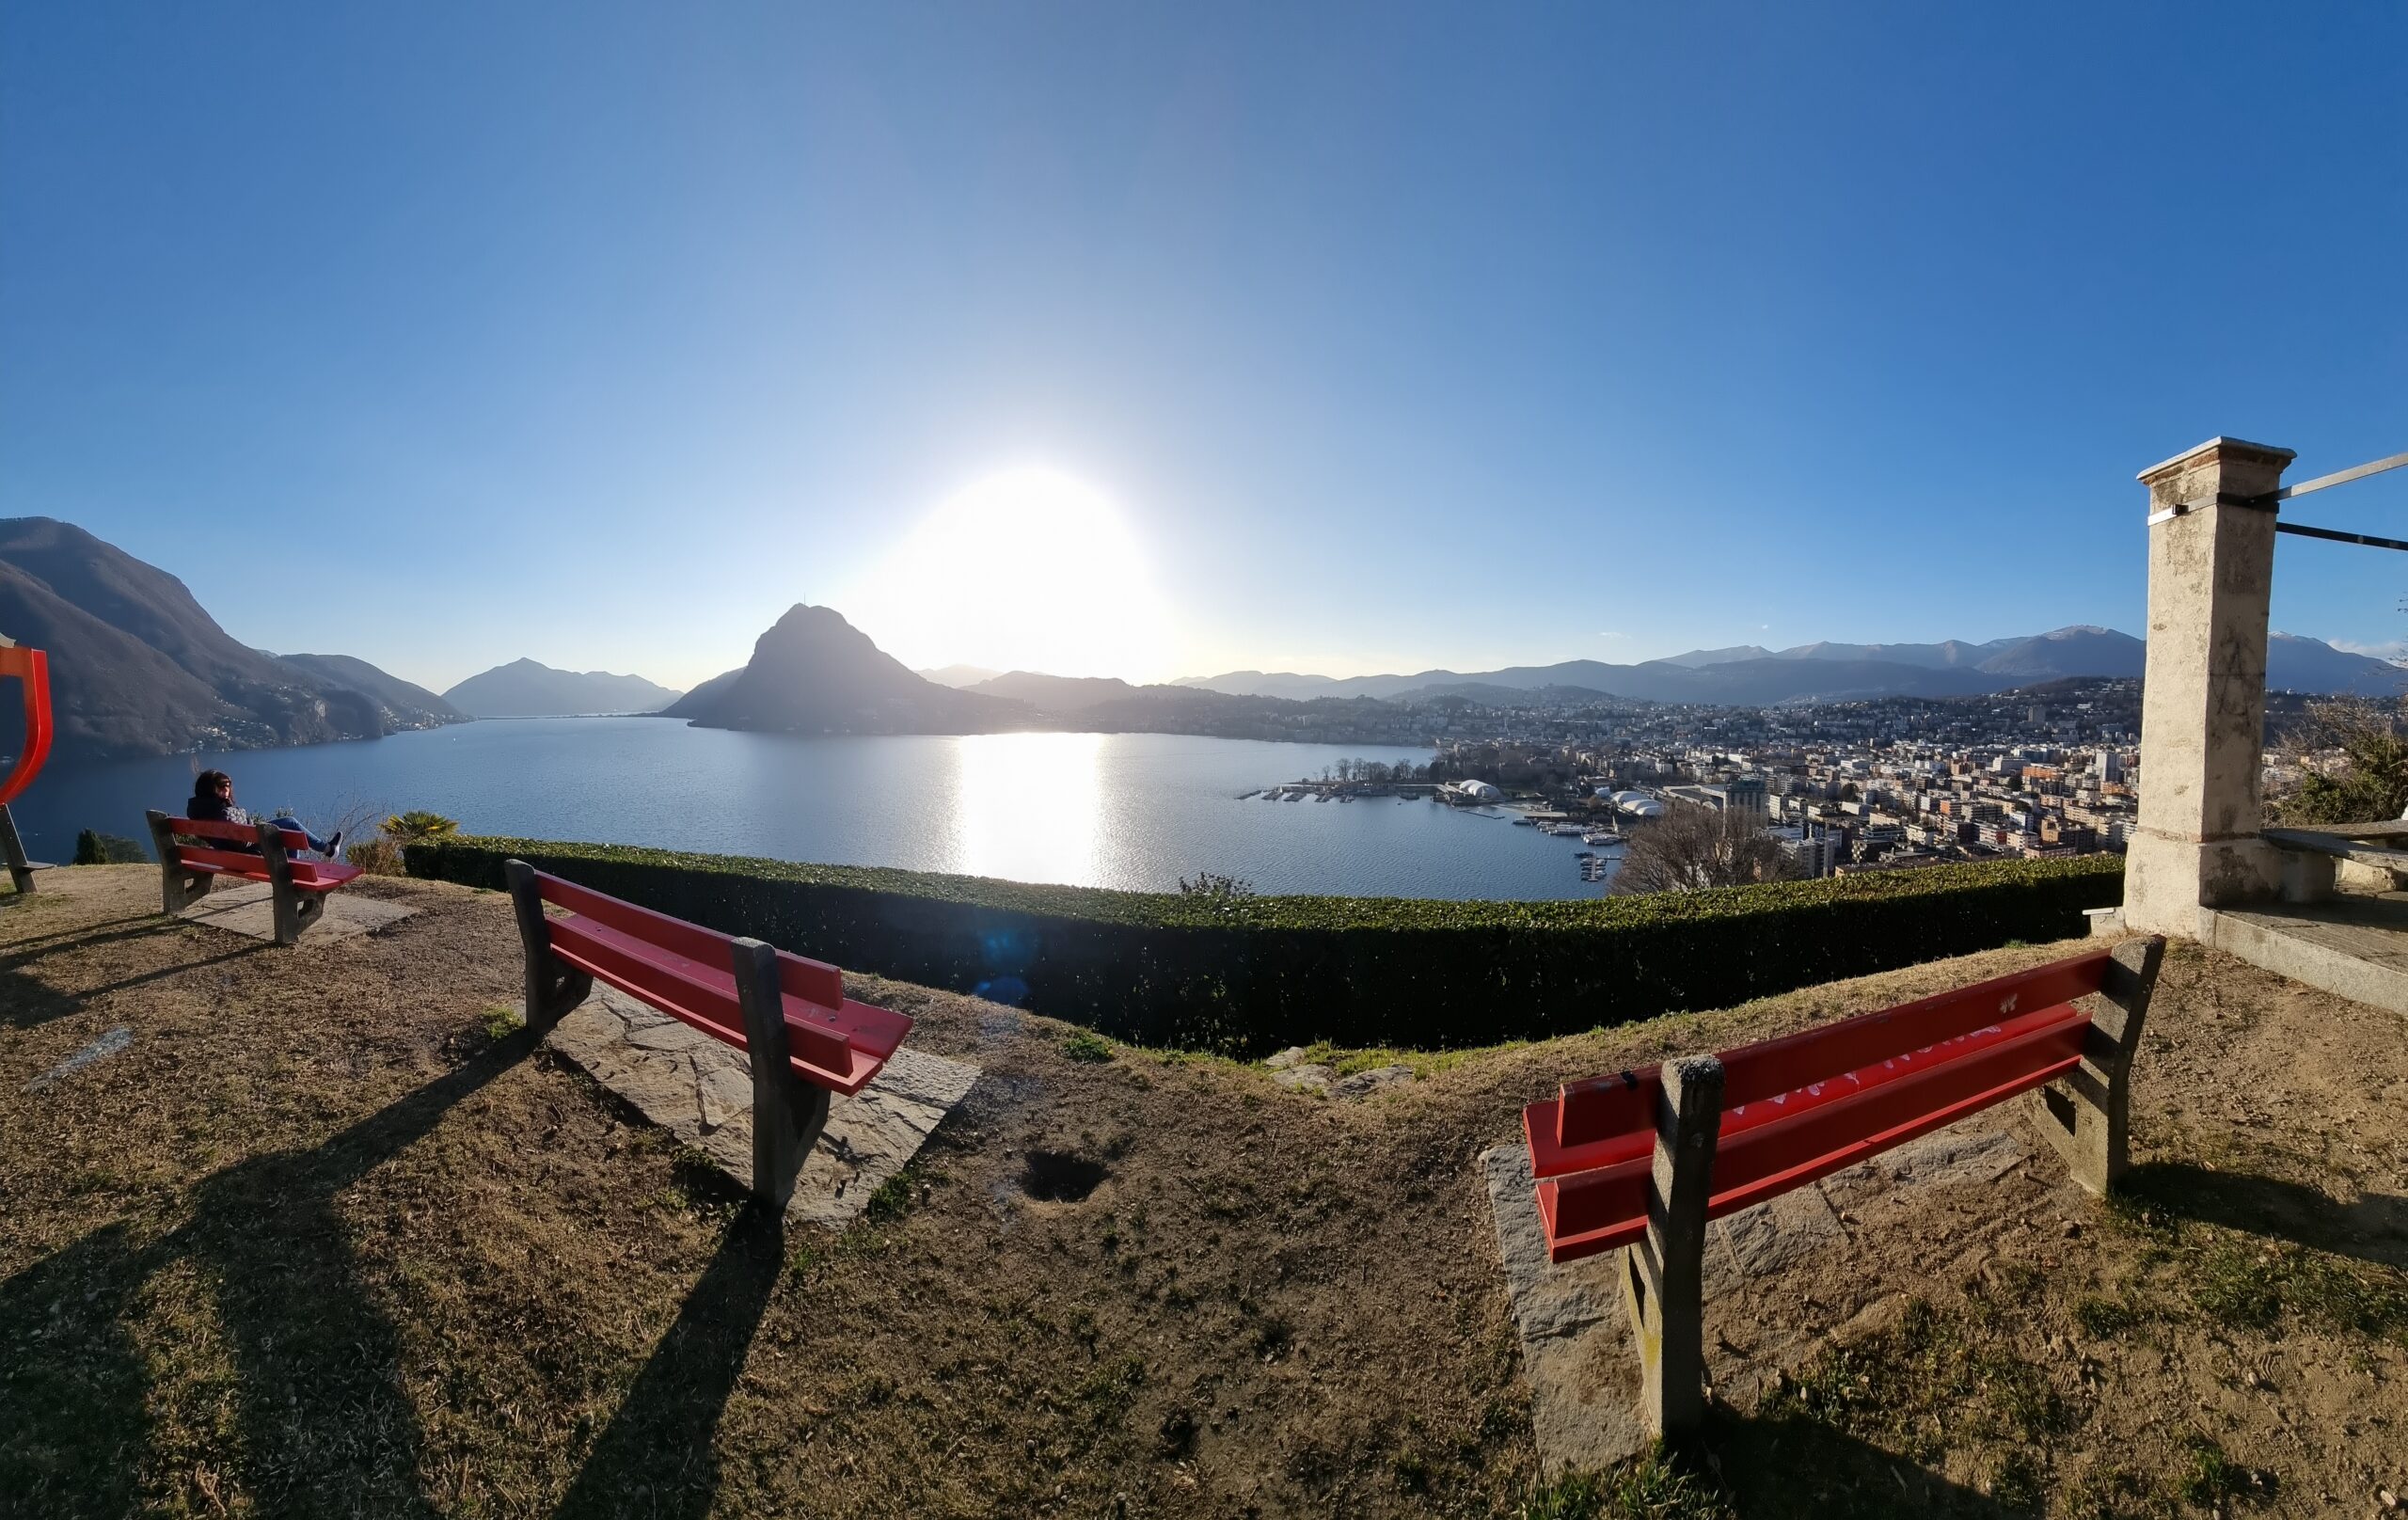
x=2255, y=454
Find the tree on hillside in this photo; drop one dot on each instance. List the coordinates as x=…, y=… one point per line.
x=93, y=848
x=2352, y=761
x=1690, y=847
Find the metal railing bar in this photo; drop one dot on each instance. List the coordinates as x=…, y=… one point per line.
x=2341, y=477
x=2339, y=537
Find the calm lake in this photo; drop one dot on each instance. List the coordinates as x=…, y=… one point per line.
x=1108, y=810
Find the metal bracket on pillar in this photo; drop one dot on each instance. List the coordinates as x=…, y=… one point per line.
x=2273, y=501
x=2223, y=498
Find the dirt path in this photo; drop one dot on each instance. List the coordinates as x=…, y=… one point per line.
x=316, y=1241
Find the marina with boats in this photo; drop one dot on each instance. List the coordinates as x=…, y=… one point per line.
x=1594, y=864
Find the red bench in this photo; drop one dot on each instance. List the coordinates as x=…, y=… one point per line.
x=1643, y=1160
x=263, y=853
x=805, y=1039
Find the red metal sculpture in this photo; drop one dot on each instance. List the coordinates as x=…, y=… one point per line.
x=31, y=667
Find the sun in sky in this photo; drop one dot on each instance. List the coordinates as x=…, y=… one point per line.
x=1028, y=569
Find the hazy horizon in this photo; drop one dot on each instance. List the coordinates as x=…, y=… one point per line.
x=1344, y=340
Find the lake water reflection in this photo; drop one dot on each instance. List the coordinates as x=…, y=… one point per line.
x=1117, y=809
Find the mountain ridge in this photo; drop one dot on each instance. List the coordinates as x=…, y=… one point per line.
x=530, y=688
x=138, y=667
x=399, y=696
x=1747, y=675
x=959, y=676
x=1054, y=693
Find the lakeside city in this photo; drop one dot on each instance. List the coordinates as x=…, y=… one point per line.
x=1890, y=784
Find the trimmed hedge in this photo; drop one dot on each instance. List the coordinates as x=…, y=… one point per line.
x=1249, y=974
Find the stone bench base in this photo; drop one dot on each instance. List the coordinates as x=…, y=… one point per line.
x=701, y=1091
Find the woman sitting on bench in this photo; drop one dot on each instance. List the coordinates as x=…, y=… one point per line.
x=212, y=798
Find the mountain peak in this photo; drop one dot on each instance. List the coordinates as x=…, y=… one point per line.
x=805, y=614
x=814, y=673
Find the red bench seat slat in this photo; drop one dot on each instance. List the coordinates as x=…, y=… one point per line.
x=839, y=1046
x=1771, y=1145
x=324, y=876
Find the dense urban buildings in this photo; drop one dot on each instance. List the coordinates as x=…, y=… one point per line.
x=1878, y=784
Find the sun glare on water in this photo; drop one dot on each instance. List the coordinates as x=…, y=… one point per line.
x=1028, y=569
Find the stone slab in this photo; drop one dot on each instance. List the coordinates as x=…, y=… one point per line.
x=1364, y=1084
x=248, y=910
x=2354, y=947
x=1778, y=1232
x=701, y=1091
x=1946, y=1156
x=1575, y=1331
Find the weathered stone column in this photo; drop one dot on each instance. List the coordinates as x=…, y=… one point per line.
x=2202, y=715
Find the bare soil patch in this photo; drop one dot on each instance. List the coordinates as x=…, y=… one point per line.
x=316, y=1241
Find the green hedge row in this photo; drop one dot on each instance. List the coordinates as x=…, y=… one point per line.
x=1253, y=974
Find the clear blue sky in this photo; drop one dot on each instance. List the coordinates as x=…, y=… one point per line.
x=1395, y=336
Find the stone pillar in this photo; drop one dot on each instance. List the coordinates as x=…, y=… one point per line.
x=2202, y=715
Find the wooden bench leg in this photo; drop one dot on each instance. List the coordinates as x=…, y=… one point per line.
x=179, y=889
x=12, y=845
x=553, y=985
x=2086, y=1114
x=789, y=1112
x=1663, y=1274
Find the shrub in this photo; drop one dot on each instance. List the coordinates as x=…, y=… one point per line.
x=417, y=827
x=1252, y=974
x=1207, y=885
x=92, y=848
x=2353, y=759
x=379, y=854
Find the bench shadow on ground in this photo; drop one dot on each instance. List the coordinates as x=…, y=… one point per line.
x=27, y=1003
x=657, y=1456
x=323, y=1423
x=2373, y=1229
x=1797, y=1466
x=132, y=927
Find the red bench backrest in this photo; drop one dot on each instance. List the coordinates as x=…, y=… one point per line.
x=246, y=862
x=1805, y=1105
x=813, y=981
x=703, y=990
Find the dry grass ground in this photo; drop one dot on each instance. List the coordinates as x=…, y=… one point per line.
x=329, y=1238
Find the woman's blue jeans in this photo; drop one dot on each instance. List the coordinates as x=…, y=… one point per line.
x=294, y=824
